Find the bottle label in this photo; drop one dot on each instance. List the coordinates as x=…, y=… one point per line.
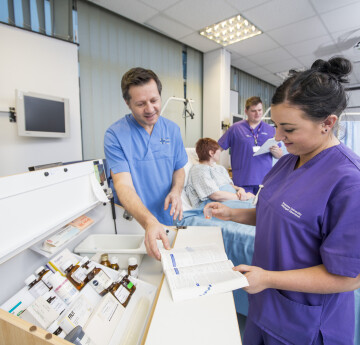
x=130, y=285
x=122, y=294
x=39, y=289
x=55, y=301
x=45, y=278
x=91, y=268
x=100, y=281
x=66, y=291
x=79, y=275
x=135, y=273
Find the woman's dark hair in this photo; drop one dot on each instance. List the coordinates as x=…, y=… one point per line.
x=318, y=91
x=203, y=146
x=138, y=76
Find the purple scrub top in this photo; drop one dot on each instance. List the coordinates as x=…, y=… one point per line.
x=307, y=217
x=246, y=169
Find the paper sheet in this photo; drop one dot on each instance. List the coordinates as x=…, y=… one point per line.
x=265, y=148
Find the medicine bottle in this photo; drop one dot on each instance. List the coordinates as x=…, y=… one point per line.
x=88, y=266
x=99, y=280
x=78, y=337
x=65, y=290
x=75, y=274
x=36, y=286
x=105, y=260
x=127, y=282
x=44, y=274
x=133, y=269
x=114, y=261
x=120, y=292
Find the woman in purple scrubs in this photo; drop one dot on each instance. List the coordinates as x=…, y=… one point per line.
x=306, y=262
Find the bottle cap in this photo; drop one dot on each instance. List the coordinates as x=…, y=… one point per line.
x=114, y=260
x=132, y=261
x=30, y=279
x=104, y=257
x=66, y=265
x=39, y=269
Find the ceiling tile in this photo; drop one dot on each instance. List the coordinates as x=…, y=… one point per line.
x=272, y=79
x=343, y=18
x=310, y=46
x=200, y=13
x=169, y=26
x=257, y=71
x=160, y=5
x=132, y=9
x=270, y=56
x=242, y=64
x=297, y=32
x=284, y=65
x=322, y=6
x=253, y=45
x=271, y=15
x=243, y=5
x=199, y=42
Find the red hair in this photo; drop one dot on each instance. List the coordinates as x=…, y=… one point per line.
x=203, y=146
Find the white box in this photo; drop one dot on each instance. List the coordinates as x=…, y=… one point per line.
x=121, y=246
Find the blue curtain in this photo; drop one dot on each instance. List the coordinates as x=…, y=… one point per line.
x=352, y=137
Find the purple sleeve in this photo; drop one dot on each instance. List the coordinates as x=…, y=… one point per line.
x=341, y=234
x=225, y=140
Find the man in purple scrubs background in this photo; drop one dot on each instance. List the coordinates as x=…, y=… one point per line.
x=306, y=260
x=244, y=138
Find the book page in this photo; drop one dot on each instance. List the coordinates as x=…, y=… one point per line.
x=192, y=255
x=202, y=280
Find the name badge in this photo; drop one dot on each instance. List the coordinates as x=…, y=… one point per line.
x=256, y=148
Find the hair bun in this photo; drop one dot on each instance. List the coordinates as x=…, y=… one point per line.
x=338, y=67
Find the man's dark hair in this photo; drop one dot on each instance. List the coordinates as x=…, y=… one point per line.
x=138, y=76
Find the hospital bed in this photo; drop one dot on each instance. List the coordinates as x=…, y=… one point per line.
x=238, y=241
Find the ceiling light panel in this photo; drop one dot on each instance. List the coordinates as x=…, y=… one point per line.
x=230, y=31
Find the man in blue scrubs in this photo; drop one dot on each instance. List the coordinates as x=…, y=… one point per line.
x=145, y=158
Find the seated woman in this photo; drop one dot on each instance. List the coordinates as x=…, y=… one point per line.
x=209, y=181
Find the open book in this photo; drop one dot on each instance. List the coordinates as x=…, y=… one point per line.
x=196, y=271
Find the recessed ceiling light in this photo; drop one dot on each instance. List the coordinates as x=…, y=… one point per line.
x=230, y=31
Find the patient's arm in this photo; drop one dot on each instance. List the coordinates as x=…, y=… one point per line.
x=223, y=196
x=174, y=197
x=132, y=203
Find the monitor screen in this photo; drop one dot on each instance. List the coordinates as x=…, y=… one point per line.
x=42, y=115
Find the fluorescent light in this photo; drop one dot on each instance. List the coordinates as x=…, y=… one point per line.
x=230, y=31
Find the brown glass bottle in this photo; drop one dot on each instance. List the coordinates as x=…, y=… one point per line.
x=114, y=261
x=75, y=274
x=99, y=281
x=133, y=269
x=120, y=292
x=105, y=260
x=126, y=282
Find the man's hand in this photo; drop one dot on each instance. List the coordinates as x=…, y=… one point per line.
x=256, y=276
x=154, y=232
x=276, y=151
x=174, y=199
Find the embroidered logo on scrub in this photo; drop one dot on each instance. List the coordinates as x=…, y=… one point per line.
x=165, y=140
x=291, y=210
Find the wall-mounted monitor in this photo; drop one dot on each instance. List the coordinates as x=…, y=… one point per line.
x=39, y=115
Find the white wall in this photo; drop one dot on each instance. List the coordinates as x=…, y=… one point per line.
x=33, y=62
x=216, y=96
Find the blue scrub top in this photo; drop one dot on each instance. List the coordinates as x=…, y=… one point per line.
x=307, y=217
x=246, y=169
x=150, y=159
